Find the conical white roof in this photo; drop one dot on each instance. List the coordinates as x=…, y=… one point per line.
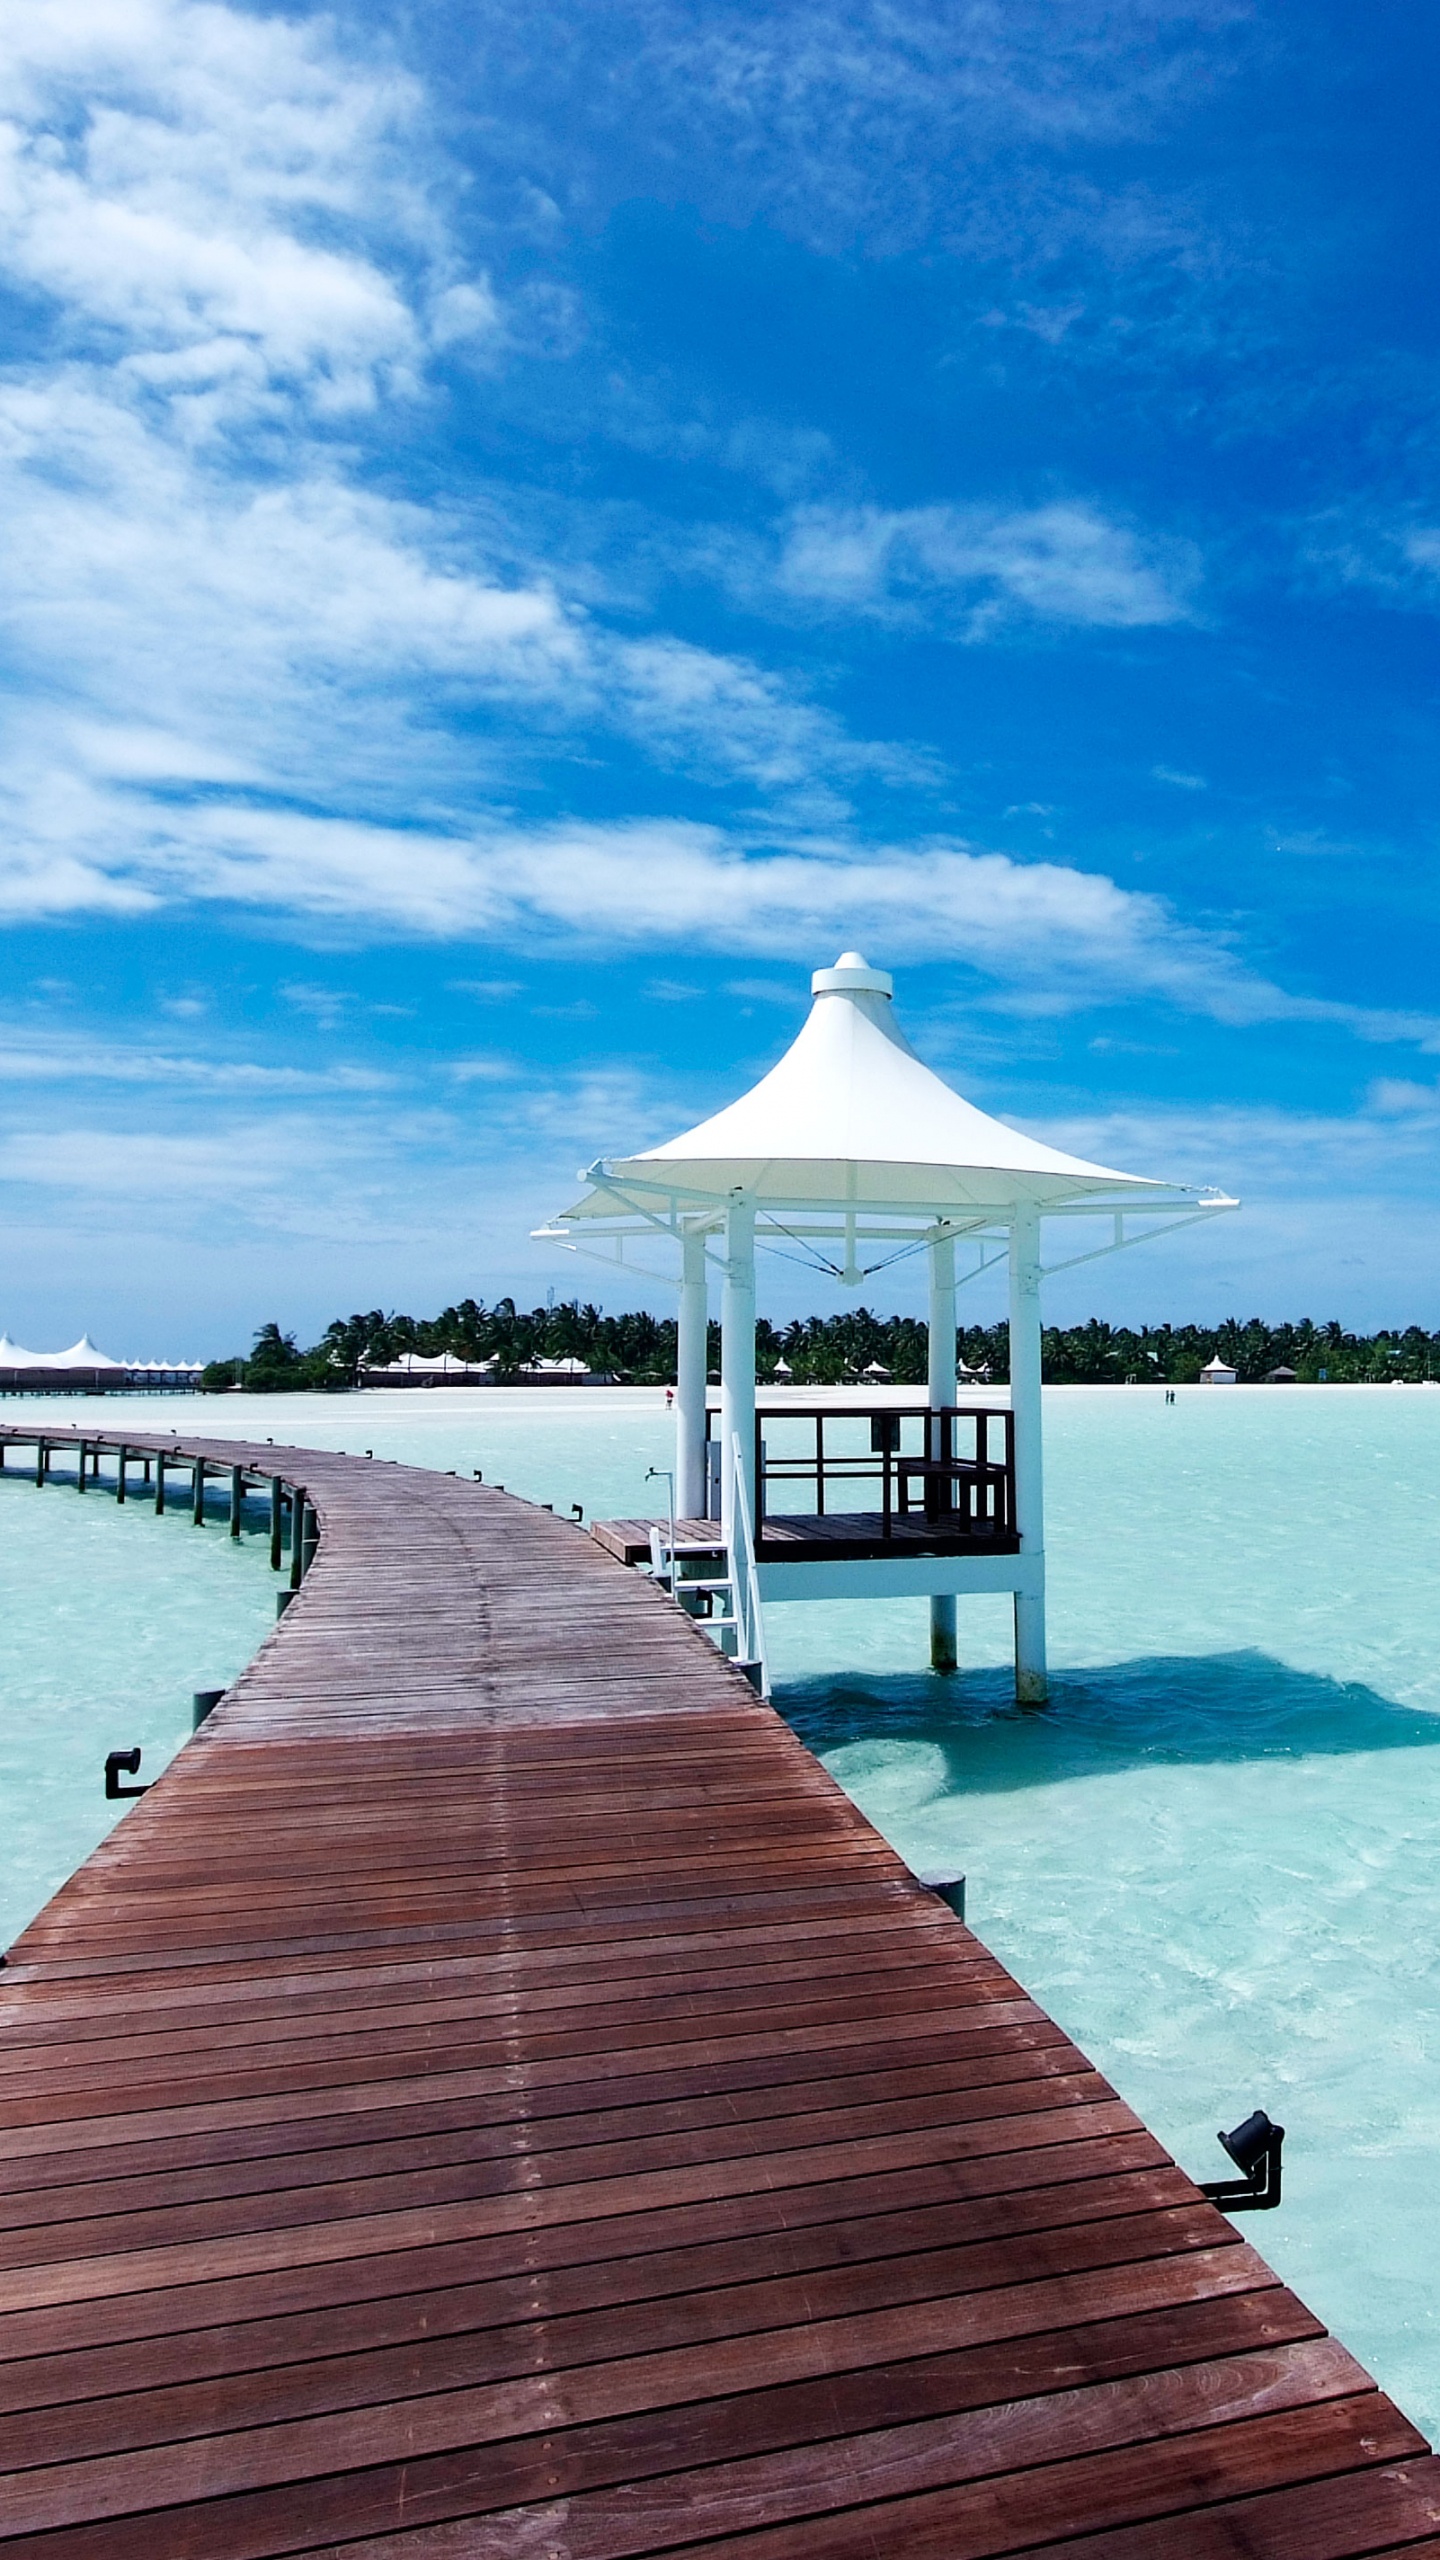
x=83, y=1354
x=851, y=1117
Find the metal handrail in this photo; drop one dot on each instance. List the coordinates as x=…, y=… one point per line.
x=744, y=1575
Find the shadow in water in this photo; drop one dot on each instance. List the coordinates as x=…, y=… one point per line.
x=1176, y=1708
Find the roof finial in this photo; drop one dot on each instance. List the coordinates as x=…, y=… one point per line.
x=852, y=975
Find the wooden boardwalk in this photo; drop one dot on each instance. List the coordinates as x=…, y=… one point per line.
x=496, y=2099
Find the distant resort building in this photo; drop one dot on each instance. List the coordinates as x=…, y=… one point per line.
x=1218, y=1373
x=447, y=1369
x=86, y=1370
x=415, y=1369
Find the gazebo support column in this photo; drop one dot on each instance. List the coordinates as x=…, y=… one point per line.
x=1030, y=1681
x=690, y=1373
x=737, y=1360
x=943, y=1654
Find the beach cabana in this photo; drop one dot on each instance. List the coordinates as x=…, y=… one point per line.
x=854, y=1156
x=1218, y=1373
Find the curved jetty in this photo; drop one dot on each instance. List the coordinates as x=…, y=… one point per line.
x=495, y=2097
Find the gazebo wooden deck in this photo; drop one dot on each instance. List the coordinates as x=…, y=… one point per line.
x=496, y=2099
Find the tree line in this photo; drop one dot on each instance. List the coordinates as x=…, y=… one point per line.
x=822, y=1351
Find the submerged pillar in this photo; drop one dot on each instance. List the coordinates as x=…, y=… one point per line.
x=941, y=1392
x=690, y=1365
x=1030, y=1678
x=737, y=1359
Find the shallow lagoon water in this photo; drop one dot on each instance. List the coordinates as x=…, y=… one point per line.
x=1215, y=1858
x=112, y=1620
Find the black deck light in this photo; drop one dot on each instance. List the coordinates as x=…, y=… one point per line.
x=115, y=1761
x=1255, y=2148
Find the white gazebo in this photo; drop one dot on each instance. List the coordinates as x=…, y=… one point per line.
x=1218, y=1373
x=857, y=1154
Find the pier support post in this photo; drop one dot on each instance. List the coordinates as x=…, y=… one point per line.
x=737, y=1359
x=198, y=1514
x=159, y=1482
x=297, y=1535
x=1030, y=1676
x=941, y=1393
x=237, y=1499
x=80, y=1472
x=41, y=1453
x=121, y=1456
x=690, y=1351
x=277, y=1520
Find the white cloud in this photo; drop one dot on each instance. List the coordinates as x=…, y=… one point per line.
x=1394, y=557
x=53, y=1059
x=1262, y=1148
x=218, y=200
x=1051, y=937
x=223, y=221
x=885, y=121
x=1065, y=562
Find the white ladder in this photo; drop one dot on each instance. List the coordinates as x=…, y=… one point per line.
x=723, y=1595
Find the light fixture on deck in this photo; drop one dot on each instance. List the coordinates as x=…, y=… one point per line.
x=1255, y=2148
x=129, y=1761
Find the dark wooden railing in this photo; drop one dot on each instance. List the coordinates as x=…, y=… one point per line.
x=957, y=1472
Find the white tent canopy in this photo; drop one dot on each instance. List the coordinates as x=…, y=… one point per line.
x=851, y=1116
x=81, y=1355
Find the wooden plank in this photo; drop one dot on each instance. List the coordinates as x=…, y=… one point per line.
x=495, y=2086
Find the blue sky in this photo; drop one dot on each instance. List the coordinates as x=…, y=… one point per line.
x=527, y=530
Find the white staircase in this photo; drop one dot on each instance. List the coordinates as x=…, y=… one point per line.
x=717, y=1584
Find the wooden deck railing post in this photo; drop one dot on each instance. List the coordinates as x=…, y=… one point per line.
x=159, y=1483
x=237, y=1499
x=297, y=1535
x=120, y=1457
x=198, y=1498
x=277, y=1521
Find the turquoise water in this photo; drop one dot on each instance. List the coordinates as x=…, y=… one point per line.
x=1215, y=1858
x=111, y=1620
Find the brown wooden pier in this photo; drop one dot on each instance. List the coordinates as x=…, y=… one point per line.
x=496, y=2099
